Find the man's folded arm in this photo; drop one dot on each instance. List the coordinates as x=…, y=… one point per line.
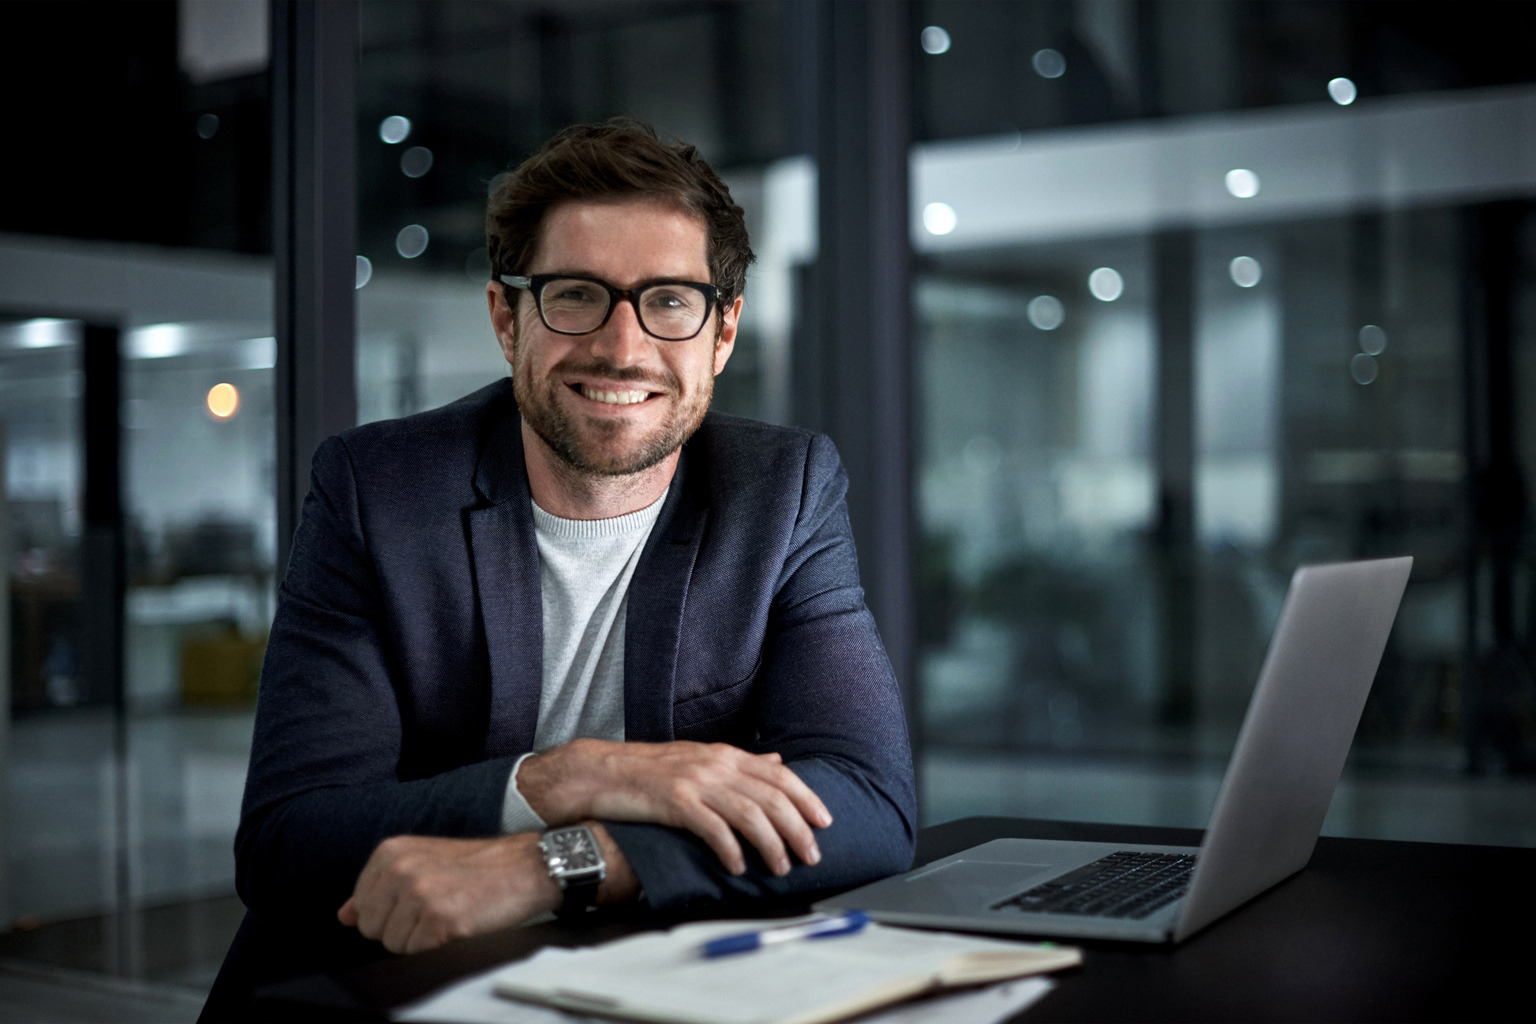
x=323, y=789
x=826, y=700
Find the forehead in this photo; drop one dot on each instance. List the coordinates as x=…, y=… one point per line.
x=622, y=242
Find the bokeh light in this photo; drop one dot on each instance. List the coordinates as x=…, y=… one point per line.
x=394, y=129
x=1245, y=271
x=1342, y=91
x=1242, y=183
x=1046, y=312
x=1049, y=63
x=935, y=40
x=411, y=241
x=416, y=161
x=1106, y=284
x=939, y=218
x=223, y=401
x=1373, y=340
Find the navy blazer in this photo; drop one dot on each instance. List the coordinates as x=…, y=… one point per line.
x=403, y=671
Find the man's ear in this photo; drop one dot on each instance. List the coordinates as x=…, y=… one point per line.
x=503, y=320
x=725, y=342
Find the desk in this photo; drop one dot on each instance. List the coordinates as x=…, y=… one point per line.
x=1371, y=930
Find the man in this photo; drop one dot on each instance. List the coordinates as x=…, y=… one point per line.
x=571, y=639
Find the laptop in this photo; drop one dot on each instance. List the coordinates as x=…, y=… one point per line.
x=1289, y=755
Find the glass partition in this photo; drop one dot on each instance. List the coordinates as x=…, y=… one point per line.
x=452, y=95
x=119, y=821
x=1162, y=362
x=60, y=756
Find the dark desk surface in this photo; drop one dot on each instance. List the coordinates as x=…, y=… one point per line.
x=1371, y=930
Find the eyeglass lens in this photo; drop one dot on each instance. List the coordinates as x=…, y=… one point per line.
x=669, y=311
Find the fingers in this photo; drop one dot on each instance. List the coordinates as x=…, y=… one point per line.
x=748, y=818
x=425, y=935
x=386, y=904
x=404, y=916
x=772, y=770
x=769, y=820
x=791, y=820
x=757, y=797
x=716, y=832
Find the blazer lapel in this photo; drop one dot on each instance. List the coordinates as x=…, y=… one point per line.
x=657, y=594
x=505, y=555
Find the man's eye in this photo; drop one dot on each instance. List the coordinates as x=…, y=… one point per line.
x=671, y=301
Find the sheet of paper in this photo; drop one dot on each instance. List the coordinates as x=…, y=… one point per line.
x=981, y=1006
x=474, y=1001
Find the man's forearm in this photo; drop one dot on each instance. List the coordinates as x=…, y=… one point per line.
x=418, y=892
x=303, y=855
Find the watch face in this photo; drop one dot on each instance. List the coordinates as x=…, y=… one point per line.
x=573, y=849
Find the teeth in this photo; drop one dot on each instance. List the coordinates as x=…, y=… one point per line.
x=614, y=397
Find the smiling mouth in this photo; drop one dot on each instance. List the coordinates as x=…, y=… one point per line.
x=611, y=397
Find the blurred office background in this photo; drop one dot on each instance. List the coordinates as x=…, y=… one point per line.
x=1118, y=312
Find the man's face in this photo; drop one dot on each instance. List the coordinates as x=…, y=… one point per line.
x=615, y=401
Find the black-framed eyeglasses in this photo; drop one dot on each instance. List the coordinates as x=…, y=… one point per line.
x=668, y=310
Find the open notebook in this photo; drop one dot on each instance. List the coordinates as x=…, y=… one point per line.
x=660, y=976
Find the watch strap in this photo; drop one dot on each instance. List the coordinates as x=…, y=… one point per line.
x=579, y=898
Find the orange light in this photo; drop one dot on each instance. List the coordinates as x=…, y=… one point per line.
x=223, y=401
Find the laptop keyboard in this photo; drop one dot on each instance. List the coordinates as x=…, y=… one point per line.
x=1124, y=884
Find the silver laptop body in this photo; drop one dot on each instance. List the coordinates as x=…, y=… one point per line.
x=1289, y=755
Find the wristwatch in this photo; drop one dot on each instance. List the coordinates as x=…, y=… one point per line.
x=575, y=862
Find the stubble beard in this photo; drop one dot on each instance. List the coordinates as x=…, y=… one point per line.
x=586, y=444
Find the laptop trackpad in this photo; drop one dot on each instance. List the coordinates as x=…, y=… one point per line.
x=966, y=886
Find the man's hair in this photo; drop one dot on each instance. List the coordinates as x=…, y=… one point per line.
x=616, y=160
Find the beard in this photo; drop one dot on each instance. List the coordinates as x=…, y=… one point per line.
x=596, y=447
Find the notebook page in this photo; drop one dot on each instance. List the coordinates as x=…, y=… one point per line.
x=660, y=976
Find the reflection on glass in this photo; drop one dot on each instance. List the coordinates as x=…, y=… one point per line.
x=40, y=421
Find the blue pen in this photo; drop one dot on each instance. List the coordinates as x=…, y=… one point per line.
x=843, y=924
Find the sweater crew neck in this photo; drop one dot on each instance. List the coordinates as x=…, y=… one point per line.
x=555, y=526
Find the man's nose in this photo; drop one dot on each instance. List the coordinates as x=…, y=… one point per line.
x=621, y=339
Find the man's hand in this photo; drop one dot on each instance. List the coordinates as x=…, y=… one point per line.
x=418, y=892
x=712, y=789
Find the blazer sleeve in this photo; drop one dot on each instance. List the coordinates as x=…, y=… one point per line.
x=323, y=789
x=827, y=701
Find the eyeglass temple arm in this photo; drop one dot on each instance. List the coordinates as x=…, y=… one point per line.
x=517, y=282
